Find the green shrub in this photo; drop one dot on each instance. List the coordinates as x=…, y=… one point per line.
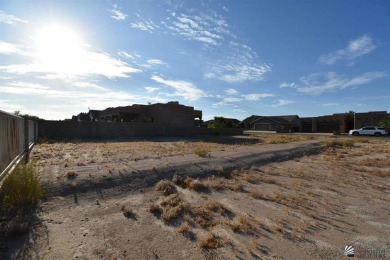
x=22, y=187
x=201, y=153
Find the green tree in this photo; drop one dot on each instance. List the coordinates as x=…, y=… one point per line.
x=385, y=123
x=30, y=117
x=220, y=122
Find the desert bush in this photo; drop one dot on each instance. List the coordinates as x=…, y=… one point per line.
x=70, y=174
x=201, y=152
x=154, y=208
x=127, y=211
x=166, y=186
x=22, y=187
x=196, y=185
x=361, y=140
x=240, y=225
x=171, y=213
x=215, y=206
x=211, y=241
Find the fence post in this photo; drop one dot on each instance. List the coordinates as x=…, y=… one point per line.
x=26, y=139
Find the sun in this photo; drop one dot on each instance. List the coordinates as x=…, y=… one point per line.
x=59, y=48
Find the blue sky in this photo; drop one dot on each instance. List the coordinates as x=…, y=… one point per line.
x=226, y=58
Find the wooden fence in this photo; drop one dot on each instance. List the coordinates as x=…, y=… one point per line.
x=17, y=135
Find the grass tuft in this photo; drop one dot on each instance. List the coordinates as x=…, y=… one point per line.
x=128, y=212
x=166, y=186
x=211, y=241
x=22, y=187
x=70, y=174
x=201, y=153
x=339, y=143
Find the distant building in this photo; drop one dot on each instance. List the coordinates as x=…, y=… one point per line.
x=341, y=122
x=171, y=113
x=336, y=123
x=287, y=123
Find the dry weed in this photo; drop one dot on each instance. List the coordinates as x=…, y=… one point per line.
x=166, y=186
x=241, y=224
x=211, y=241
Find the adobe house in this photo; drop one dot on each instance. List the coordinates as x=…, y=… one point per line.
x=341, y=122
x=288, y=123
x=370, y=118
x=171, y=113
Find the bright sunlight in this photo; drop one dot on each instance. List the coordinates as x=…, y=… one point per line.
x=60, y=49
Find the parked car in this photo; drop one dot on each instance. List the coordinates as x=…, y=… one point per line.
x=369, y=130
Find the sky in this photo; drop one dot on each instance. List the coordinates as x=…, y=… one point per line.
x=227, y=58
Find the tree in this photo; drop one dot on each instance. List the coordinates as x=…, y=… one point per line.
x=30, y=117
x=220, y=122
x=385, y=123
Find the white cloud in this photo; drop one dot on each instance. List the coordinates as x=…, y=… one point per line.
x=283, y=102
x=288, y=85
x=10, y=48
x=151, y=89
x=147, y=26
x=319, y=83
x=10, y=19
x=240, y=110
x=117, y=14
x=232, y=73
x=9, y=106
x=329, y=104
x=83, y=62
x=355, y=48
x=79, y=99
x=185, y=89
x=255, y=97
x=89, y=85
x=227, y=101
x=238, y=65
x=210, y=30
x=125, y=55
x=231, y=91
x=156, y=62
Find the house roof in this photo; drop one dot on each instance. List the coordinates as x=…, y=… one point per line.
x=286, y=119
x=274, y=119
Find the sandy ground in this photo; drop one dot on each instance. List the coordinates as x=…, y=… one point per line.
x=252, y=200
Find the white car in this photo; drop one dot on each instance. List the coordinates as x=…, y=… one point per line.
x=369, y=130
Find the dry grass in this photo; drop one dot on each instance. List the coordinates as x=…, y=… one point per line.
x=73, y=184
x=166, y=186
x=196, y=185
x=277, y=139
x=339, y=143
x=173, y=207
x=211, y=241
x=154, y=208
x=216, y=206
x=127, y=211
x=70, y=174
x=241, y=224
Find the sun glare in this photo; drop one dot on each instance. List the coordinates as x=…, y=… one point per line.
x=59, y=48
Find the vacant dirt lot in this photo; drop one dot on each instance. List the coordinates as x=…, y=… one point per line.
x=264, y=197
